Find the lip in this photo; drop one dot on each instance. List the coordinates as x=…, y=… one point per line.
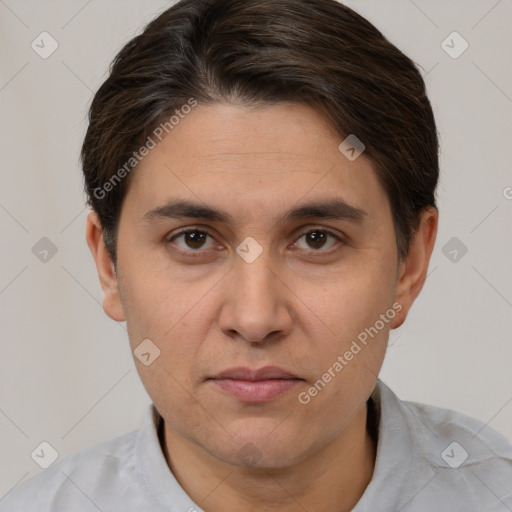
x=255, y=385
x=264, y=373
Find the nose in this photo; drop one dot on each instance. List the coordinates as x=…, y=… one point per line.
x=257, y=305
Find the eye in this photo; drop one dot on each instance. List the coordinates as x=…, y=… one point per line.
x=192, y=239
x=317, y=238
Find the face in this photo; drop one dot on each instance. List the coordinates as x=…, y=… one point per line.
x=271, y=319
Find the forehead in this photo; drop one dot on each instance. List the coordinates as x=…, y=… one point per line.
x=254, y=161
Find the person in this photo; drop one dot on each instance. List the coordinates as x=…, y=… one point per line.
x=262, y=181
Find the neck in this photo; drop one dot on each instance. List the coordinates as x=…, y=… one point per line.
x=333, y=478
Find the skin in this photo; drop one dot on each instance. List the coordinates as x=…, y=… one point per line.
x=298, y=306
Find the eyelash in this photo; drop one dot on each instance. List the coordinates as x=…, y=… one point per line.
x=198, y=252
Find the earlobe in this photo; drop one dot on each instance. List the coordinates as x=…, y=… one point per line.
x=413, y=270
x=106, y=271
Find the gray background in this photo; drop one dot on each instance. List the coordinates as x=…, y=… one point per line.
x=66, y=372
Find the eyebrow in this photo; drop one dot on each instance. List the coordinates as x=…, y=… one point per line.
x=336, y=209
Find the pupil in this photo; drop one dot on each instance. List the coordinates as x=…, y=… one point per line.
x=318, y=238
x=196, y=238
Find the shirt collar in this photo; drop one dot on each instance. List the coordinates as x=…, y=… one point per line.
x=164, y=491
x=402, y=467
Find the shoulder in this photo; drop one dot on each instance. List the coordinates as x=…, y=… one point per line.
x=79, y=480
x=463, y=440
x=465, y=462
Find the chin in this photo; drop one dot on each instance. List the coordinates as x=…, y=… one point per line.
x=257, y=448
x=251, y=457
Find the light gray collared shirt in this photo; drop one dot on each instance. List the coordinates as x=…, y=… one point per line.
x=428, y=460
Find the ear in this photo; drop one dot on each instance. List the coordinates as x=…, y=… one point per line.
x=105, y=267
x=413, y=270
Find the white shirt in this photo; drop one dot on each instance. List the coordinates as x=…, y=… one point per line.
x=428, y=460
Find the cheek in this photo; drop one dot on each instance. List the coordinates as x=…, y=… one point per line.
x=154, y=299
x=358, y=309
x=349, y=364
x=352, y=299
x=156, y=312
x=169, y=312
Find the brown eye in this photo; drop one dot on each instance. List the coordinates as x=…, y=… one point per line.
x=192, y=239
x=316, y=239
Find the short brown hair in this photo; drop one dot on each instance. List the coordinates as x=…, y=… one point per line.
x=314, y=52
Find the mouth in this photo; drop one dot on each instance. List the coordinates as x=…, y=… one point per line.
x=255, y=386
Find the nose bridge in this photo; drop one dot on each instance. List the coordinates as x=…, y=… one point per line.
x=256, y=277
x=256, y=305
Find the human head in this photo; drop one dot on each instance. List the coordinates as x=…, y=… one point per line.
x=256, y=131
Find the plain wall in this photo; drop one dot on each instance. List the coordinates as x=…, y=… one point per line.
x=66, y=372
